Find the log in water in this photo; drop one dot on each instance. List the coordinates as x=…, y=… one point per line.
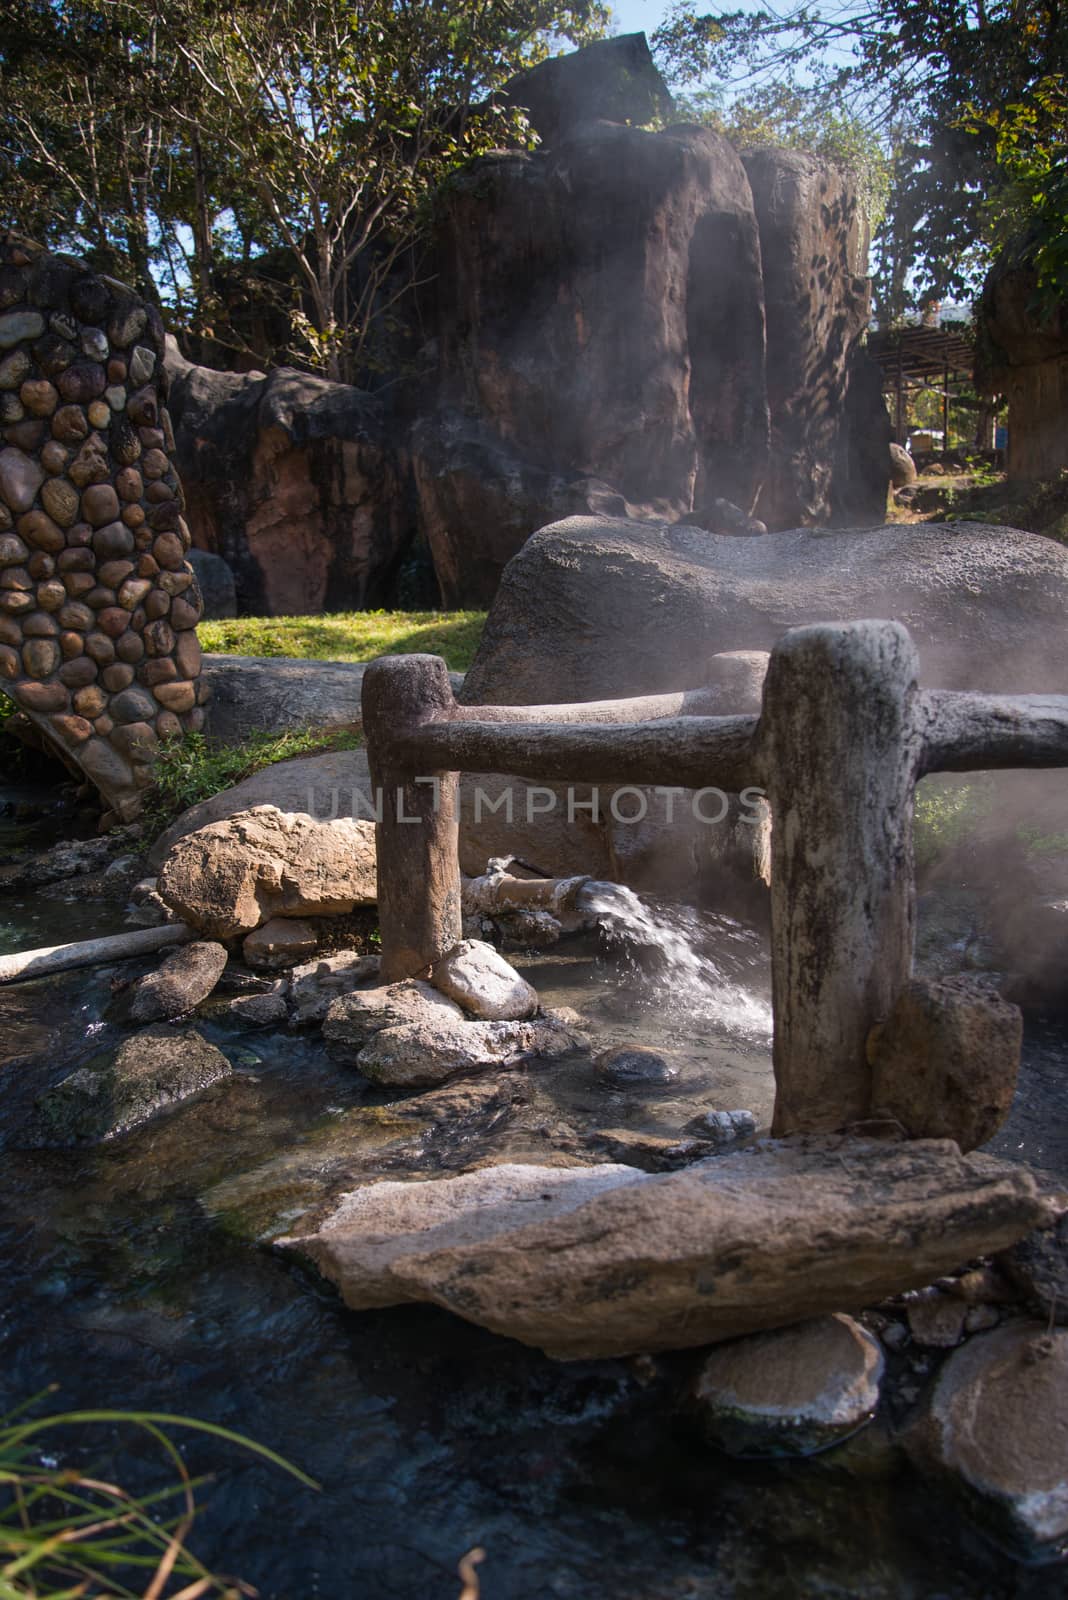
x=42, y=963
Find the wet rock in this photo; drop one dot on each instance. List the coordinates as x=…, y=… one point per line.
x=936, y=1319
x=281, y=942
x=627, y=1069
x=146, y=908
x=315, y=986
x=996, y=1426
x=944, y=1063
x=151, y=1073
x=754, y=1239
x=180, y=982
x=651, y=1152
x=1038, y=1266
x=792, y=1392
x=723, y=1127
x=231, y=876
x=484, y=983
x=353, y=1020
x=417, y=1055
x=260, y=1010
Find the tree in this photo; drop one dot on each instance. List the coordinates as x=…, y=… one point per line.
x=168, y=141
x=937, y=81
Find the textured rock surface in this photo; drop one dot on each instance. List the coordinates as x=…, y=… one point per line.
x=984, y=605
x=1038, y=1265
x=314, y=987
x=732, y=1245
x=151, y=1073
x=231, y=876
x=1025, y=358
x=791, y=1392
x=292, y=481
x=997, y=1425
x=814, y=253
x=98, y=603
x=353, y=1020
x=484, y=983
x=615, y=80
x=180, y=982
x=281, y=942
x=418, y=1055
x=944, y=1063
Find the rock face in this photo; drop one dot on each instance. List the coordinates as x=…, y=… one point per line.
x=614, y=79
x=232, y=876
x=1025, y=358
x=291, y=480
x=984, y=605
x=419, y=1055
x=791, y=1392
x=353, y=1019
x=98, y=603
x=151, y=1073
x=996, y=1426
x=814, y=254
x=180, y=982
x=593, y=1263
x=944, y=1063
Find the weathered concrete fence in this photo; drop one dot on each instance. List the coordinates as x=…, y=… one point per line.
x=844, y=735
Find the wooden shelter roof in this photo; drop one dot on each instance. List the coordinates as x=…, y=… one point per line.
x=916, y=354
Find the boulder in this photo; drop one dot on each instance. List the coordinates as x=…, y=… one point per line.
x=902, y=467
x=739, y=1243
x=791, y=1392
x=153, y=1072
x=629, y=1069
x=232, y=876
x=1038, y=1266
x=293, y=481
x=944, y=1063
x=281, y=942
x=216, y=582
x=255, y=694
x=315, y=985
x=352, y=1020
x=181, y=981
x=984, y=605
x=484, y=983
x=995, y=1428
x=418, y=1055
x=614, y=80
x=260, y=1010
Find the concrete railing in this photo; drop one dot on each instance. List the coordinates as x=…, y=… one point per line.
x=844, y=735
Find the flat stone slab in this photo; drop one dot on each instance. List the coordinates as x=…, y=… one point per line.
x=611, y=1261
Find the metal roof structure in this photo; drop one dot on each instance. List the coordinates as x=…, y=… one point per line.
x=916, y=355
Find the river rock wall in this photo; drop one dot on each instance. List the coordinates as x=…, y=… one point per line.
x=98, y=604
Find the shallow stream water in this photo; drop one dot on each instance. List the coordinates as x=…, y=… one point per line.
x=128, y=1284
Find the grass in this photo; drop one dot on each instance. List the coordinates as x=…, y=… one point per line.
x=350, y=635
x=67, y=1533
x=193, y=768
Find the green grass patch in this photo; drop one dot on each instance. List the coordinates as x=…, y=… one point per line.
x=193, y=768
x=948, y=811
x=350, y=635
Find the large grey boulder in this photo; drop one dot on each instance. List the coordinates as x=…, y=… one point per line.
x=985, y=605
x=735, y=1244
x=180, y=982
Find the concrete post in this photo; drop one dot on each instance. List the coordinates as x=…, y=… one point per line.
x=840, y=751
x=416, y=838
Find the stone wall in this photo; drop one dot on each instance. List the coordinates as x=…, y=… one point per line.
x=98, y=604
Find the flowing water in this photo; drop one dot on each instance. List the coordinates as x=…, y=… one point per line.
x=129, y=1283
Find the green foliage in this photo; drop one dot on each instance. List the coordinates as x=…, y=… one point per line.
x=180, y=145
x=193, y=768
x=68, y=1532
x=351, y=635
x=948, y=811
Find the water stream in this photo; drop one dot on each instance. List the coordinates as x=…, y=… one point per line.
x=125, y=1282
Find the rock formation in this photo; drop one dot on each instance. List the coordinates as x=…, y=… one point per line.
x=1023, y=355
x=98, y=604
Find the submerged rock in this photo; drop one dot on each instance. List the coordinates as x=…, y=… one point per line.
x=234, y=875
x=997, y=1425
x=260, y=1010
x=151, y=1073
x=754, y=1239
x=791, y=1392
x=625, y=1069
x=484, y=983
x=180, y=982
x=416, y=1055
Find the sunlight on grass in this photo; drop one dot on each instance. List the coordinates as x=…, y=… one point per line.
x=350, y=635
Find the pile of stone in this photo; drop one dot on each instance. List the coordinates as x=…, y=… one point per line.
x=98, y=604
